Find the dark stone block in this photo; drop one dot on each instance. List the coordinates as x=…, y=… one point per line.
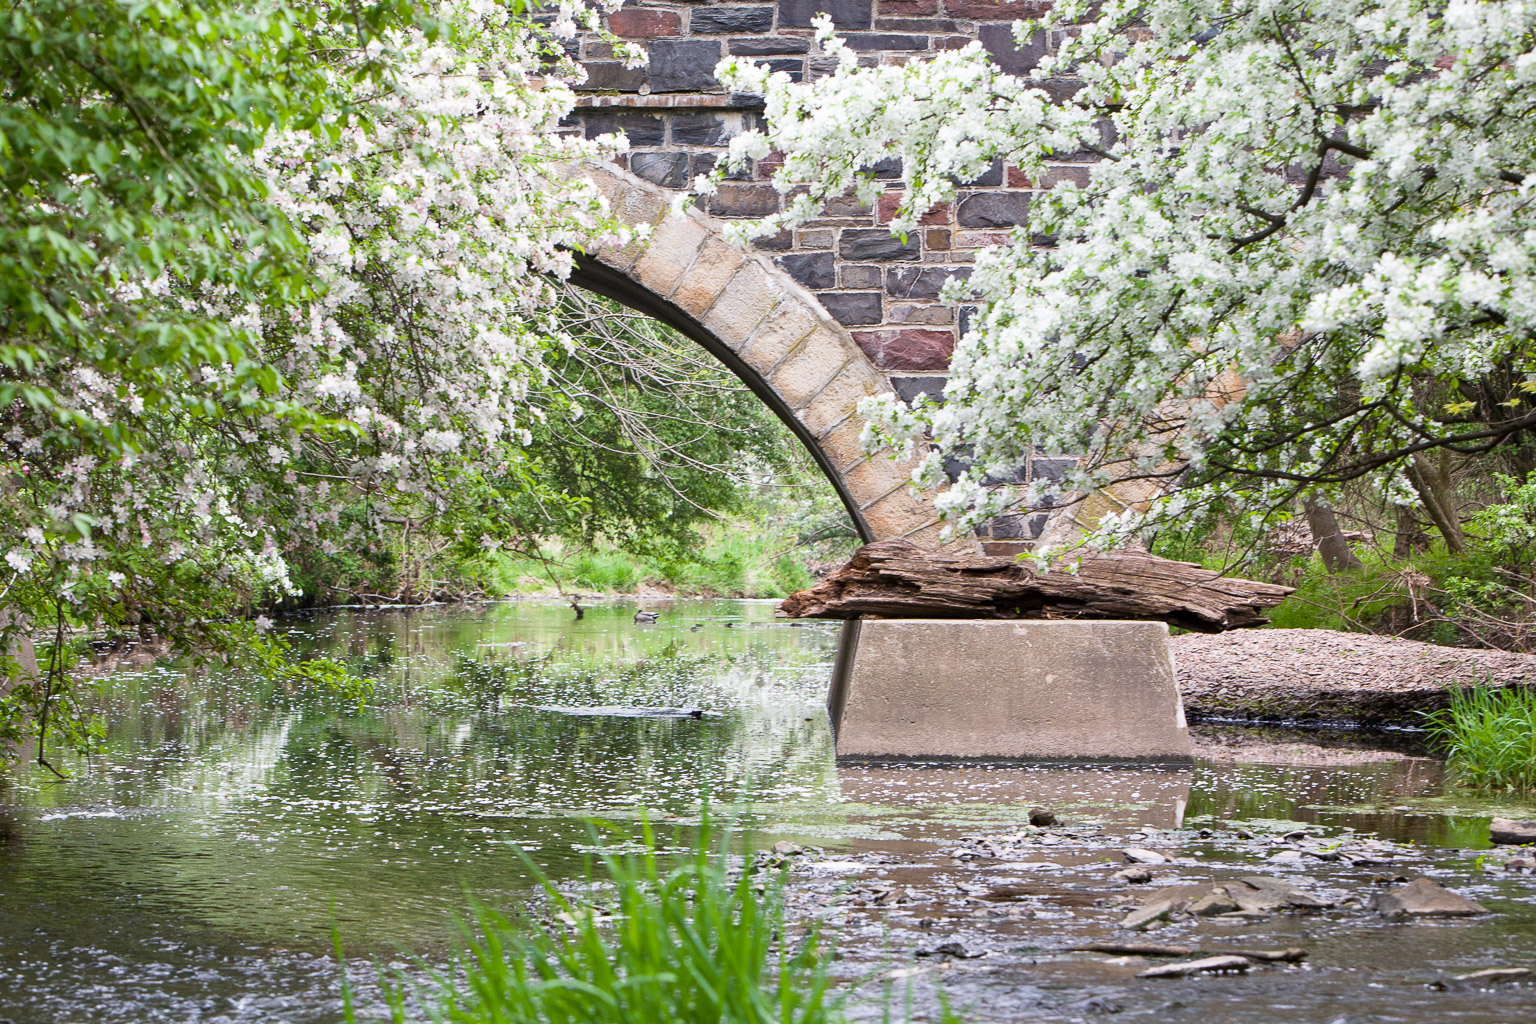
x=1007, y=528
x=611, y=75
x=642, y=129
x=855, y=14
x=884, y=41
x=794, y=67
x=963, y=318
x=815, y=270
x=1035, y=526
x=698, y=130
x=993, y=209
x=1005, y=53
x=768, y=46
x=741, y=200
x=721, y=20
x=989, y=178
x=875, y=244
x=1054, y=470
x=908, y=388
x=924, y=25
x=684, y=65
x=921, y=282
x=781, y=242
x=853, y=309
x=861, y=276
x=886, y=169
x=666, y=169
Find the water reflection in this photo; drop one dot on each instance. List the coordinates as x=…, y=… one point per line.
x=195, y=869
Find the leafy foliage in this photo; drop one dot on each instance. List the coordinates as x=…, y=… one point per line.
x=1490, y=736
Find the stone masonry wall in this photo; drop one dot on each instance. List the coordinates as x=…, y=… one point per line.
x=882, y=290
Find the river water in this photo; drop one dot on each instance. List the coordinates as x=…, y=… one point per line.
x=196, y=868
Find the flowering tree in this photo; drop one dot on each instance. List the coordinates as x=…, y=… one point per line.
x=1305, y=255
x=257, y=259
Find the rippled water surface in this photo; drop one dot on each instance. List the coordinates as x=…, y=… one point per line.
x=194, y=871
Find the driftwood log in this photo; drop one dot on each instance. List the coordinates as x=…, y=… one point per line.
x=896, y=579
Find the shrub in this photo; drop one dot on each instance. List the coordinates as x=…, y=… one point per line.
x=1490, y=736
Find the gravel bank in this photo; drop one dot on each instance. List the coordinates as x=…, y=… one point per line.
x=1317, y=676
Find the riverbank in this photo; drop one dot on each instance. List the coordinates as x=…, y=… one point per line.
x=1322, y=677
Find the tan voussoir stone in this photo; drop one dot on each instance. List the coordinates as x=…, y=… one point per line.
x=841, y=396
x=874, y=478
x=898, y=513
x=671, y=251
x=841, y=444
x=717, y=261
x=930, y=537
x=746, y=300
x=608, y=183
x=636, y=206
x=807, y=369
x=776, y=337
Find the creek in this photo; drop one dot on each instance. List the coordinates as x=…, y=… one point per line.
x=195, y=869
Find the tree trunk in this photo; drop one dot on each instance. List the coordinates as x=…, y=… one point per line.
x=1433, y=485
x=1328, y=538
x=1407, y=536
x=897, y=579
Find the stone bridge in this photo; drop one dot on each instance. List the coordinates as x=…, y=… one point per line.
x=815, y=319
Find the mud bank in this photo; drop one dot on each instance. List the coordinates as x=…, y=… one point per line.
x=1321, y=677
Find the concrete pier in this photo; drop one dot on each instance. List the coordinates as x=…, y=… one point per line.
x=916, y=689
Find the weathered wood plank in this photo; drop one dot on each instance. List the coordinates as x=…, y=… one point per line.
x=896, y=579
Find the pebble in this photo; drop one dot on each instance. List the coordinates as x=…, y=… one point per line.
x=1136, y=875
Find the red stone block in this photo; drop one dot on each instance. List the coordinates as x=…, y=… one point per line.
x=907, y=8
x=995, y=10
x=1018, y=179
x=637, y=23
x=910, y=349
x=936, y=238
x=889, y=201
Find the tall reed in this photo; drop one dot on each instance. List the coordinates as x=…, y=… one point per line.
x=657, y=940
x=1489, y=734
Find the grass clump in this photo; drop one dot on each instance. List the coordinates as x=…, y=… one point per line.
x=657, y=939
x=1489, y=734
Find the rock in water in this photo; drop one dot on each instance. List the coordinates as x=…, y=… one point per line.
x=1041, y=817
x=1150, y=913
x=1137, y=875
x=1205, y=966
x=1496, y=975
x=1135, y=856
x=1509, y=832
x=1217, y=901
x=1424, y=898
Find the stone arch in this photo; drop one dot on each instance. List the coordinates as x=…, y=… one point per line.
x=771, y=333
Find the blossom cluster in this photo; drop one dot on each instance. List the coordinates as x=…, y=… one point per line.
x=1306, y=226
